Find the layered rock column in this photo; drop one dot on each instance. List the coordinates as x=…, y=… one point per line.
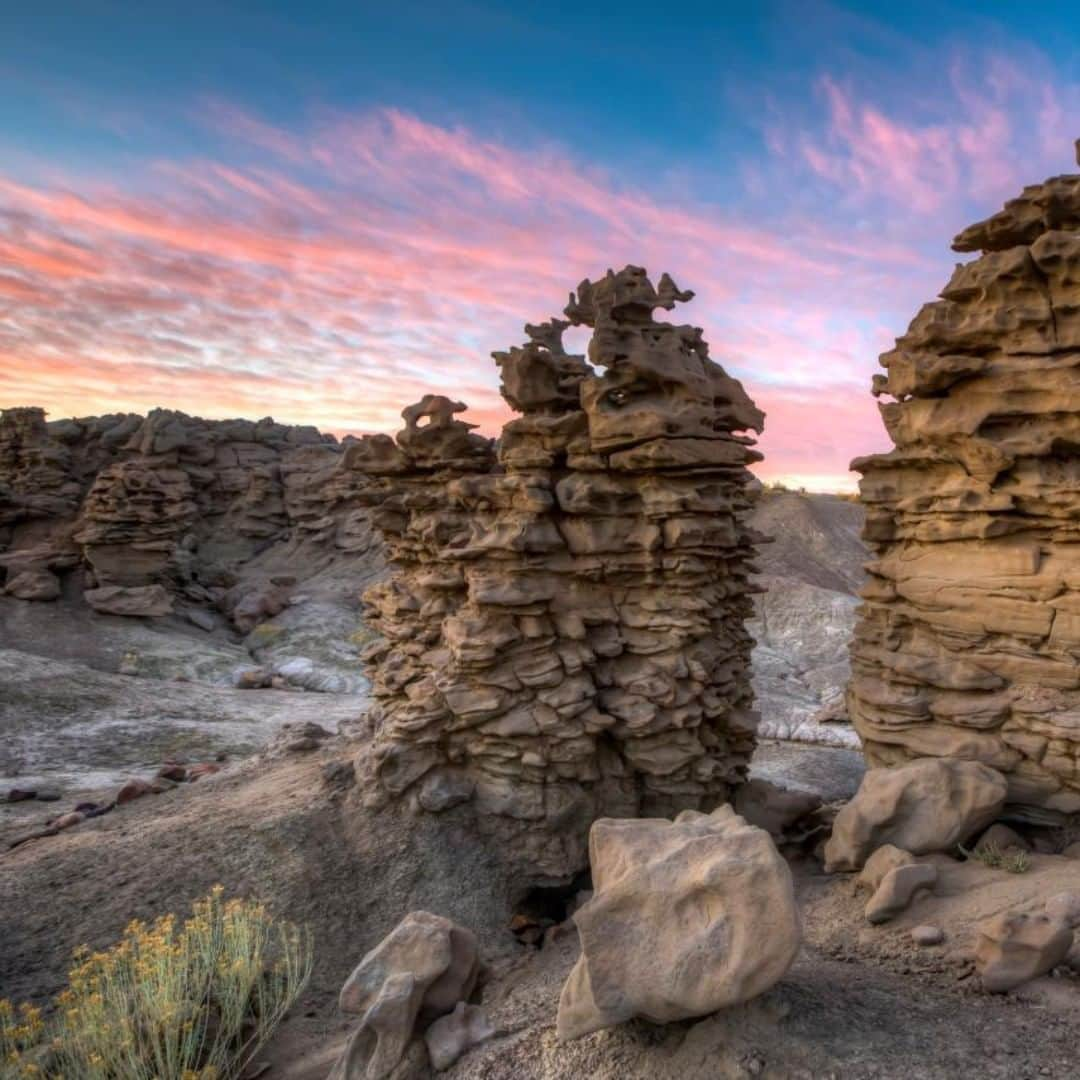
x=564, y=626
x=968, y=645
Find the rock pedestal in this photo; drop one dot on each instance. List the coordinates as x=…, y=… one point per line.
x=564, y=625
x=968, y=645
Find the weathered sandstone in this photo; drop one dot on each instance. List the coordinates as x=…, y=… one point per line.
x=563, y=628
x=169, y=502
x=968, y=644
x=923, y=807
x=420, y=971
x=1015, y=947
x=687, y=917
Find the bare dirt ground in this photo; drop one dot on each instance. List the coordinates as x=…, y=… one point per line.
x=860, y=1001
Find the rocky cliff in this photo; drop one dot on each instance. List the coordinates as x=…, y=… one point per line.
x=968, y=645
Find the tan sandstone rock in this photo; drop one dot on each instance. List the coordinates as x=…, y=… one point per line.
x=923, y=807
x=418, y=972
x=898, y=888
x=885, y=858
x=1015, y=947
x=967, y=642
x=563, y=630
x=687, y=917
x=455, y=1034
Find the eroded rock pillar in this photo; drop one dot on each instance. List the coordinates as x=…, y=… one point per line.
x=563, y=631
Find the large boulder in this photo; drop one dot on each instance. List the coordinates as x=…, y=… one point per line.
x=420, y=971
x=930, y=805
x=687, y=917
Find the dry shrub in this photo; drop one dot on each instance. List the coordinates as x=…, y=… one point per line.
x=194, y=1003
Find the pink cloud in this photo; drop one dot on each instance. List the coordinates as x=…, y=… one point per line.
x=334, y=273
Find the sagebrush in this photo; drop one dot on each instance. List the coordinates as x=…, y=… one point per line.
x=190, y=1003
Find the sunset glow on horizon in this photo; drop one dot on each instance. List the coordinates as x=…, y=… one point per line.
x=291, y=224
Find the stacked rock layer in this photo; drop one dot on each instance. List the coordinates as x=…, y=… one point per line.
x=968, y=645
x=167, y=509
x=564, y=625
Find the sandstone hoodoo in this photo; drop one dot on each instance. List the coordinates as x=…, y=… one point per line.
x=969, y=637
x=564, y=621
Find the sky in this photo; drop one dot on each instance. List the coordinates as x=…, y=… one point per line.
x=321, y=211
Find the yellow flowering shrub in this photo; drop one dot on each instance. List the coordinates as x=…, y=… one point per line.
x=194, y=1002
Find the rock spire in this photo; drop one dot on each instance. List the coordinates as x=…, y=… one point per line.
x=563, y=628
x=968, y=644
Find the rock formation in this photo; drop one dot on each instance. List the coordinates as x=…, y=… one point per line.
x=968, y=644
x=564, y=624
x=167, y=509
x=688, y=916
x=422, y=970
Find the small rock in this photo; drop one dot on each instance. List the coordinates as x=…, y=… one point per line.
x=307, y=729
x=1001, y=838
x=457, y=1033
x=301, y=745
x=898, y=888
x=20, y=795
x=34, y=585
x=201, y=618
x=773, y=808
x=135, y=789
x=887, y=857
x=420, y=971
x=1015, y=947
x=47, y=795
x=928, y=935
x=174, y=771
x=65, y=821
x=1065, y=906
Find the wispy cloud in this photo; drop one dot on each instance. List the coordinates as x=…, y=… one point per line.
x=334, y=271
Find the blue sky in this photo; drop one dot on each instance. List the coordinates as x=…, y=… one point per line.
x=312, y=209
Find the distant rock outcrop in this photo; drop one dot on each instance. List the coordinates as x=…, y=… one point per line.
x=564, y=626
x=968, y=645
x=803, y=618
x=166, y=511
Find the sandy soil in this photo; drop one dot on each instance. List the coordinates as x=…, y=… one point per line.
x=860, y=1001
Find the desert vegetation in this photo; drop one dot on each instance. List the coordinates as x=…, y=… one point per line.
x=190, y=1002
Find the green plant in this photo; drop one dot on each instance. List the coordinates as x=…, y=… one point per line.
x=194, y=1003
x=1012, y=860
